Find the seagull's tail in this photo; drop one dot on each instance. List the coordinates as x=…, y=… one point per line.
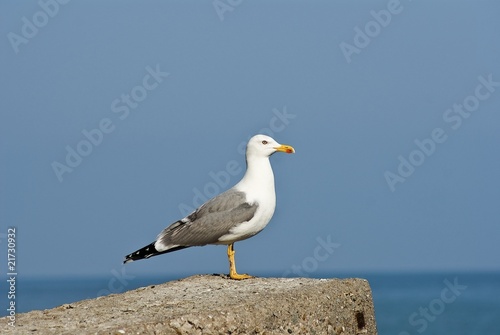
x=146, y=252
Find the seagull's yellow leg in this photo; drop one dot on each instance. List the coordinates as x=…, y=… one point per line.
x=232, y=265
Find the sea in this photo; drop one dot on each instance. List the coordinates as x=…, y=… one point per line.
x=405, y=304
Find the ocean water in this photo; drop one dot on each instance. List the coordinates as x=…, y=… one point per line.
x=437, y=303
x=433, y=304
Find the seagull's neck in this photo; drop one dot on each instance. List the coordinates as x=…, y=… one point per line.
x=259, y=176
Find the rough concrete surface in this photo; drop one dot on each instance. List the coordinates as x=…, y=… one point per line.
x=215, y=305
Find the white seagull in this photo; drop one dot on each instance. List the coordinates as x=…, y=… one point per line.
x=234, y=215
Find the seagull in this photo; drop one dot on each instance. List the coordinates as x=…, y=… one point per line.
x=234, y=215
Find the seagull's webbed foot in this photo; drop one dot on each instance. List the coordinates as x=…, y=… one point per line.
x=237, y=276
x=232, y=265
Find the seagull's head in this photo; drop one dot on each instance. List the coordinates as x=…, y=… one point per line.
x=265, y=146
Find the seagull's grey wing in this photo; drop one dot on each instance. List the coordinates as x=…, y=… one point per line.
x=208, y=223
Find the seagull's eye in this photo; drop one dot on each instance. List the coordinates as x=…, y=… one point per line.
x=264, y=142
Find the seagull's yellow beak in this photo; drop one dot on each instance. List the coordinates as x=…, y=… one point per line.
x=285, y=148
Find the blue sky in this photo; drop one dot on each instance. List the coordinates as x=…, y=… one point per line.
x=392, y=108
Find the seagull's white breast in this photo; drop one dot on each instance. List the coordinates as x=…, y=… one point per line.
x=248, y=229
x=259, y=221
x=258, y=189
